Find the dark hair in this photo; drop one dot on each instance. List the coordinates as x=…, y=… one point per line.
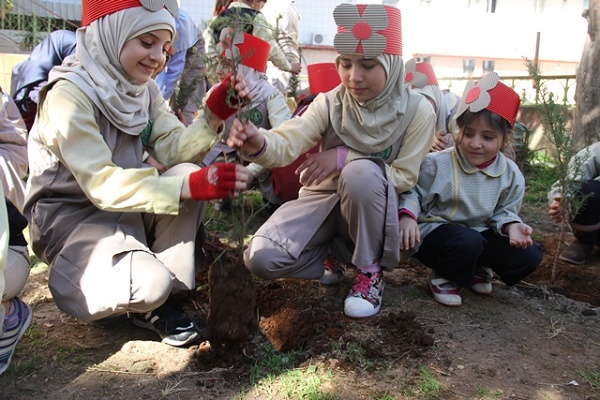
x=220, y=6
x=497, y=123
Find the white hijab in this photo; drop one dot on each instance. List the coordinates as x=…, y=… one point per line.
x=95, y=68
x=434, y=93
x=260, y=87
x=374, y=125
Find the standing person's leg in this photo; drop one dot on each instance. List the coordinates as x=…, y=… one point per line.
x=194, y=80
x=363, y=189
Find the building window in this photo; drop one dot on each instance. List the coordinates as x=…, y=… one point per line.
x=468, y=66
x=488, y=66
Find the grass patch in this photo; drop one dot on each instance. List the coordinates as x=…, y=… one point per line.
x=271, y=363
x=592, y=377
x=484, y=392
x=276, y=375
x=352, y=352
x=539, y=177
x=427, y=385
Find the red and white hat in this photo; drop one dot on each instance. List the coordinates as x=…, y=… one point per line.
x=419, y=74
x=322, y=77
x=369, y=29
x=490, y=94
x=244, y=48
x=92, y=10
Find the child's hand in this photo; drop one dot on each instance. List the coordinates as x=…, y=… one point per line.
x=245, y=137
x=317, y=167
x=151, y=161
x=409, y=232
x=296, y=68
x=241, y=88
x=222, y=103
x=519, y=235
x=440, y=141
x=181, y=117
x=555, y=211
x=217, y=181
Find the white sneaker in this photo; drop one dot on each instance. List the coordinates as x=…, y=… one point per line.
x=444, y=291
x=482, y=281
x=335, y=272
x=365, y=297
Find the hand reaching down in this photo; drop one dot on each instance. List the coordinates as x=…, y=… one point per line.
x=317, y=167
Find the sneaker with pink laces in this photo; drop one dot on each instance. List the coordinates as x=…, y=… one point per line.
x=444, y=291
x=365, y=297
x=335, y=271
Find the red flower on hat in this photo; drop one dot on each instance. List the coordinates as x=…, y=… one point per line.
x=360, y=30
x=476, y=97
x=414, y=77
x=228, y=41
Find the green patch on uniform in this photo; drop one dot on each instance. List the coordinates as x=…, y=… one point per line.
x=383, y=154
x=255, y=117
x=146, y=133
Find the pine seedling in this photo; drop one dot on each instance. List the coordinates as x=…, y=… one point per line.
x=232, y=292
x=185, y=88
x=556, y=130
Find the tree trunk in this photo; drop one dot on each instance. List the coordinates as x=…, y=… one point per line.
x=586, y=116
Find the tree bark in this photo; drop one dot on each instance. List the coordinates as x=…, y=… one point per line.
x=586, y=116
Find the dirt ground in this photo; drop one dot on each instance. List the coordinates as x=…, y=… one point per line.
x=531, y=341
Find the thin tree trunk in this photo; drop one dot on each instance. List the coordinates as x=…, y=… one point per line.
x=586, y=121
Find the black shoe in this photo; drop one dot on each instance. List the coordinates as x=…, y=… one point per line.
x=171, y=324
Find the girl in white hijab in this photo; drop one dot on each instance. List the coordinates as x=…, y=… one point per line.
x=118, y=236
x=374, y=134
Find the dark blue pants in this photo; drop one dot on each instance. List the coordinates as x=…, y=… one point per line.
x=455, y=252
x=589, y=212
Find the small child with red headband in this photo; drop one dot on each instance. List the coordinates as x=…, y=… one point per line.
x=118, y=236
x=462, y=217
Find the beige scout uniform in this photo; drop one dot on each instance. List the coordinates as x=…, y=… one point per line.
x=13, y=152
x=297, y=237
x=112, y=231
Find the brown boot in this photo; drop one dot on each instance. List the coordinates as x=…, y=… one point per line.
x=577, y=252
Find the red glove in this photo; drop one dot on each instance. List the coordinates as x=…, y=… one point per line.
x=216, y=181
x=220, y=102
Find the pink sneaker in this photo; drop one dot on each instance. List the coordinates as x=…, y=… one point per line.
x=444, y=291
x=365, y=297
